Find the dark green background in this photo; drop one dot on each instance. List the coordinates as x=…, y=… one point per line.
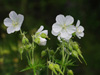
x=43, y=12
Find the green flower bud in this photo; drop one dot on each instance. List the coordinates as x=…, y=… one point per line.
x=21, y=51
x=27, y=46
x=43, y=53
x=51, y=52
x=37, y=34
x=70, y=47
x=51, y=67
x=57, y=67
x=75, y=54
x=25, y=40
x=43, y=35
x=70, y=72
x=75, y=45
x=80, y=54
x=37, y=40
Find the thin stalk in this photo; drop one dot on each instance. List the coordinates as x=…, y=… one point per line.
x=63, y=53
x=21, y=32
x=52, y=72
x=32, y=52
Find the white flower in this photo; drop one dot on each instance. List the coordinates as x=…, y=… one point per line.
x=14, y=22
x=79, y=30
x=63, y=27
x=41, y=36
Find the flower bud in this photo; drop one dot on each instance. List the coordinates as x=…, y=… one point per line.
x=75, y=54
x=75, y=45
x=43, y=35
x=70, y=72
x=70, y=47
x=37, y=40
x=51, y=52
x=51, y=67
x=57, y=67
x=21, y=51
x=25, y=40
x=43, y=53
x=27, y=46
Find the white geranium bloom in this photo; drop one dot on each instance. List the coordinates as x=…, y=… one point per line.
x=79, y=30
x=42, y=41
x=14, y=22
x=63, y=27
x=41, y=35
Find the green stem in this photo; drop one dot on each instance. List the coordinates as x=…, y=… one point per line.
x=34, y=71
x=52, y=72
x=32, y=52
x=63, y=57
x=63, y=54
x=21, y=32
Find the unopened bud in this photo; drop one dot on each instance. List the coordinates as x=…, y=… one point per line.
x=57, y=67
x=37, y=40
x=25, y=40
x=51, y=52
x=75, y=54
x=70, y=47
x=43, y=53
x=75, y=45
x=70, y=72
x=51, y=67
x=43, y=35
x=21, y=51
x=27, y=46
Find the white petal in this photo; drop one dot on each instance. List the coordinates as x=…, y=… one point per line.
x=17, y=28
x=71, y=29
x=60, y=19
x=59, y=38
x=40, y=29
x=56, y=27
x=78, y=23
x=69, y=20
x=7, y=22
x=68, y=37
x=54, y=33
x=13, y=15
x=64, y=35
x=10, y=29
x=42, y=41
x=45, y=31
x=79, y=35
x=80, y=29
x=20, y=19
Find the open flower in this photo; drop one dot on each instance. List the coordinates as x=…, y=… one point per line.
x=14, y=22
x=63, y=27
x=40, y=36
x=79, y=30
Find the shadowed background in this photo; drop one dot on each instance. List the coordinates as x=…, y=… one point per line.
x=44, y=12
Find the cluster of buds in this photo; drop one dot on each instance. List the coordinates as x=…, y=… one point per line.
x=74, y=48
x=54, y=67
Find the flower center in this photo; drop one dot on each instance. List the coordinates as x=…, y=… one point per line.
x=78, y=30
x=64, y=26
x=14, y=23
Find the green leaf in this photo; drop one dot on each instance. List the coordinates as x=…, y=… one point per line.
x=28, y=68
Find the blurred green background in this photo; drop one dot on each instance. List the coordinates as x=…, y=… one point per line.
x=43, y=12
